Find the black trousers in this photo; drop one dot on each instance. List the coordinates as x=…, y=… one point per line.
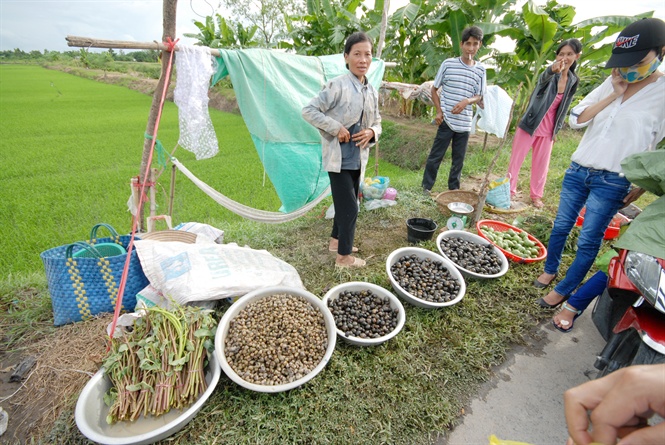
x=345, y=186
x=443, y=137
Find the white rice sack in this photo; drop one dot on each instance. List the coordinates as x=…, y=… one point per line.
x=198, y=272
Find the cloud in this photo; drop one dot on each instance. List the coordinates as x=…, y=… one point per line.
x=38, y=25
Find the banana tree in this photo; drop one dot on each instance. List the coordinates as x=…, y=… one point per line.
x=218, y=32
x=325, y=26
x=533, y=31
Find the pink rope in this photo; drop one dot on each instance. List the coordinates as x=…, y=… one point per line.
x=121, y=289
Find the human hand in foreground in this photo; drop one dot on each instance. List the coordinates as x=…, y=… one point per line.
x=343, y=135
x=619, y=404
x=363, y=137
x=633, y=195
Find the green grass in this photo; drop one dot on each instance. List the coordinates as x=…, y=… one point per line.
x=69, y=147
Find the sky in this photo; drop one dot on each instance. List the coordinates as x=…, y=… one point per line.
x=44, y=24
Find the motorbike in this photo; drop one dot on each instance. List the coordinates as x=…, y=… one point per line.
x=630, y=314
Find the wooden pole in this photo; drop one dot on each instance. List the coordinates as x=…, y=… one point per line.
x=379, y=51
x=168, y=20
x=483, y=188
x=172, y=193
x=89, y=42
x=384, y=25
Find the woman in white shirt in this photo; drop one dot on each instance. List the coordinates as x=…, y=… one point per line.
x=624, y=115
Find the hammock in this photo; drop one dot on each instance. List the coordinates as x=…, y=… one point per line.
x=245, y=211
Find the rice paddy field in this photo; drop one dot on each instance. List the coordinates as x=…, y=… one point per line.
x=70, y=147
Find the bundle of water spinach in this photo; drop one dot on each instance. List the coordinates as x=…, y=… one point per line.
x=160, y=363
x=517, y=243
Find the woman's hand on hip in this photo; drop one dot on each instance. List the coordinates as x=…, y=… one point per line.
x=343, y=135
x=363, y=137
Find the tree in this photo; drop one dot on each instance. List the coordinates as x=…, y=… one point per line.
x=267, y=16
x=325, y=26
x=219, y=32
x=148, y=55
x=426, y=32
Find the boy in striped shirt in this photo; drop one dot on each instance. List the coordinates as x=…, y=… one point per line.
x=458, y=85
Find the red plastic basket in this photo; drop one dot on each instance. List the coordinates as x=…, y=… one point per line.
x=501, y=226
x=612, y=230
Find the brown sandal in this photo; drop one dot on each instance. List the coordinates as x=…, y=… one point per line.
x=357, y=262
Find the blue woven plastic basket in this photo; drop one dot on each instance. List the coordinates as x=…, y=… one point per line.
x=81, y=287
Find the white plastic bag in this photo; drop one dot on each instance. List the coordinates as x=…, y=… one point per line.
x=204, y=232
x=379, y=203
x=199, y=272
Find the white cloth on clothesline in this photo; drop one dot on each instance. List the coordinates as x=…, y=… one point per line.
x=494, y=117
x=194, y=69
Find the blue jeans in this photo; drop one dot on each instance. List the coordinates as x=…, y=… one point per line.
x=444, y=135
x=592, y=288
x=602, y=192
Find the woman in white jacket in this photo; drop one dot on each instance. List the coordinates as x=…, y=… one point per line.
x=346, y=113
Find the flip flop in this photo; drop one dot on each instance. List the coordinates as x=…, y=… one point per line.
x=538, y=285
x=354, y=249
x=544, y=304
x=568, y=308
x=357, y=262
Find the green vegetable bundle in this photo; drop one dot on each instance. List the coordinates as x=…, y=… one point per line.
x=160, y=363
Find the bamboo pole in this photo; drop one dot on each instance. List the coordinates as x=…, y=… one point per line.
x=89, y=42
x=483, y=188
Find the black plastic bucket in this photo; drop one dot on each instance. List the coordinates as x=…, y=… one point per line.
x=420, y=229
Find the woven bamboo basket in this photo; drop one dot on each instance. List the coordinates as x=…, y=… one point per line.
x=445, y=198
x=170, y=235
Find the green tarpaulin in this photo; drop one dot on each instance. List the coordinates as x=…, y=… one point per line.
x=271, y=88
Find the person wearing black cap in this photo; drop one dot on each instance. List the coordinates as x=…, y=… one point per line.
x=624, y=115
